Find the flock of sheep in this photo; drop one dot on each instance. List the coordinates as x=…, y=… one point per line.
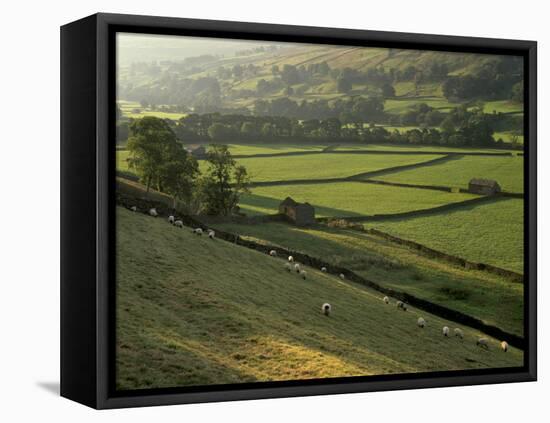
x=292, y=266
x=326, y=308
x=178, y=223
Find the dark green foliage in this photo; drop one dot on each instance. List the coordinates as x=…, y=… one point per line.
x=224, y=182
x=159, y=159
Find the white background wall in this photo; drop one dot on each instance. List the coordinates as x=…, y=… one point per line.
x=29, y=211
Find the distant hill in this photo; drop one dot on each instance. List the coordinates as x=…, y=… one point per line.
x=233, y=83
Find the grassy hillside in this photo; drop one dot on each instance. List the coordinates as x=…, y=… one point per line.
x=493, y=299
x=195, y=311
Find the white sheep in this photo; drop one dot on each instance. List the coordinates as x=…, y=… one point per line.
x=326, y=308
x=324, y=269
x=445, y=331
x=483, y=342
x=297, y=268
x=386, y=300
x=421, y=322
x=291, y=259
x=288, y=267
x=504, y=346
x=197, y=231
x=153, y=212
x=401, y=305
x=459, y=333
x=171, y=219
x=303, y=274
x=133, y=208
x=342, y=276
x=211, y=234
x=178, y=224
x=273, y=253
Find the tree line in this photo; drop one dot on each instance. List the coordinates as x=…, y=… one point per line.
x=462, y=126
x=161, y=162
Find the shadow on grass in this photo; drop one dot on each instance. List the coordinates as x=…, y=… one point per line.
x=260, y=205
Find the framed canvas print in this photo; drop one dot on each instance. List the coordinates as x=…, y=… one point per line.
x=255, y=211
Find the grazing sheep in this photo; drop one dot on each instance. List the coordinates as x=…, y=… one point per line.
x=153, y=212
x=297, y=268
x=197, y=231
x=171, y=219
x=504, y=346
x=326, y=309
x=459, y=333
x=273, y=253
x=290, y=259
x=133, y=208
x=211, y=234
x=386, y=300
x=303, y=274
x=401, y=305
x=483, y=342
x=288, y=267
x=445, y=331
x=178, y=224
x=342, y=276
x=324, y=269
x=421, y=322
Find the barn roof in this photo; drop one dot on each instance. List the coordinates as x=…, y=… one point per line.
x=288, y=202
x=484, y=182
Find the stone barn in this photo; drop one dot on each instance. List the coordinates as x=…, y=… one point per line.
x=483, y=186
x=301, y=214
x=196, y=150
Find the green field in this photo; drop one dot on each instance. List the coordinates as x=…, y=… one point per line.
x=507, y=136
x=324, y=165
x=401, y=105
x=489, y=233
x=502, y=106
x=418, y=148
x=348, y=198
x=507, y=171
x=195, y=311
x=491, y=298
x=121, y=157
x=251, y=149
x=132, y=109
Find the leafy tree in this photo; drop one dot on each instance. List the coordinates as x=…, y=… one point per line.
x=178, y=174
x=149, y=140
x=160, y=160
x=388, y=90
x=517, y=91
x=224, y=182
x=343, y=85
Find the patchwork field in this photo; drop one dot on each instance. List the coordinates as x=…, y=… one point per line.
x=349, y=198
x=508, y=171
x=324, y=165
x=195, y=311
x=490, y=233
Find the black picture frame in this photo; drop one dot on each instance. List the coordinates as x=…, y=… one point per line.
x=87, y=209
